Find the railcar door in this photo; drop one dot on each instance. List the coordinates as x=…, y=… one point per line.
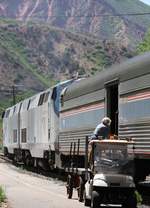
x=112, y=105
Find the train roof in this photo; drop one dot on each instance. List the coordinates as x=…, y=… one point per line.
x=134, y=67
x=39, y=93
x=27, y=99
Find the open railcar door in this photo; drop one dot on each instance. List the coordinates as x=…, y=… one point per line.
x=112, y=105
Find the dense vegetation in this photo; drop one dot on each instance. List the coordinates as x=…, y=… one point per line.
x=37, y=56
x=144, y=46
x=15, y=51
x=2, y=195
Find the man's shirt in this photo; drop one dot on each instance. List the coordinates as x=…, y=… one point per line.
x=101, y=130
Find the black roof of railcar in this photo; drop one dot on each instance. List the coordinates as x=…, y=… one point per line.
x=134, y=67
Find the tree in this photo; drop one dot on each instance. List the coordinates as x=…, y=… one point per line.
x=145, y=44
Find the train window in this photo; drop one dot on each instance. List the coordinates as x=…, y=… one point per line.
x=20, y=107
x=135, y=106
x=46, y=97
x=62, y=100
x=33, y=102
x=3, y=114
x=41, y=99
x=15, y=135
x=54, y=93
x=62, y=96
x=14, y=109
x=24, y=135
x=28, y=104
x=7, y=113
x=49, y=133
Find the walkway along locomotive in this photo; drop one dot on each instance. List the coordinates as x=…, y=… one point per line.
x=35, y=131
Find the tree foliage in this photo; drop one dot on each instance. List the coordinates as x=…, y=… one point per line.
x=144, y=46
x=2, y=195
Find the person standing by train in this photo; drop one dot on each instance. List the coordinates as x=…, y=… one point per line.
x=102, y=130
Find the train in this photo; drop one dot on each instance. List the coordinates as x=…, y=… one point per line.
x=33, y=131
x=30, y=128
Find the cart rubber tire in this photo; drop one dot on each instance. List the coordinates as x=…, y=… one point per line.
x=80, y=189
x=87, y=202
x=95, y=202
x=131, y=202
x=69, y=187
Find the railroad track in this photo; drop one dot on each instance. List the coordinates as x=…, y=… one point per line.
x=38, y=171
x=2, y=157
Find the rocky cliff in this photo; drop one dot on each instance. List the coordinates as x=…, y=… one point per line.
x=96, y=17
x=37, y=56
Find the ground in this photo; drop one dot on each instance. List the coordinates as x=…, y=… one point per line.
x=24, y=189
x=4, y=205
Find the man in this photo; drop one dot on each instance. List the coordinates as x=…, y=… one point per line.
x=102, y=130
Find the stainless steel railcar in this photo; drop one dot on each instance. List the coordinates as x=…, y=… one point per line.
x=122, y=93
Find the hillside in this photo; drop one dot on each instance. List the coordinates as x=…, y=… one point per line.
x=36, y=56
x=96, y=17
x=44, y=42
x=33, y=52
x=33, y=55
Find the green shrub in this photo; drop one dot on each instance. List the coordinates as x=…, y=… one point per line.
x=2, y=195
x=138, y=197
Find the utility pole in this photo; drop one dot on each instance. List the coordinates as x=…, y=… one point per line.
x=11, y=91
x=14, y=95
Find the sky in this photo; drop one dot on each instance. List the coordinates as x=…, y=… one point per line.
x=146, y=1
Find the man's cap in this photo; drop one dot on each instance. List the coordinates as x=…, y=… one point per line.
x=106, y=120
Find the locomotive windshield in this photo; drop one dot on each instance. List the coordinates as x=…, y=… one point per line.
x=114, y=158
